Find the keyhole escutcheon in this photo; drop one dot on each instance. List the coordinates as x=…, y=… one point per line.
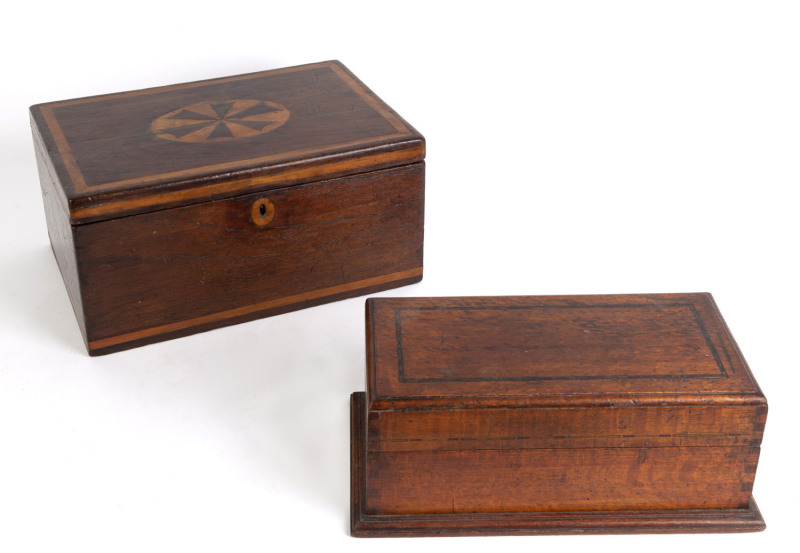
x=262, y=212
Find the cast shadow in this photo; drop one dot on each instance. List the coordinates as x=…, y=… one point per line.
x=277, y=388
x=34, y=297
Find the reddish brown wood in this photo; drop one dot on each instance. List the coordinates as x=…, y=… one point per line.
x=643, y=521
x=183, y=208
x=550, y=414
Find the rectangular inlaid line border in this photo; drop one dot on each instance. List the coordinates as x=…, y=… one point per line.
x=401, y=363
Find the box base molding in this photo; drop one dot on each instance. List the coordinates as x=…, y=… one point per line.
x=659, y=521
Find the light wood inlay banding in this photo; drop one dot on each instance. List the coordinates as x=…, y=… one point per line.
x=245, y=310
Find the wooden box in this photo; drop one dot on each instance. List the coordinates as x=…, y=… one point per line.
x=178, y=209
x=563, y=414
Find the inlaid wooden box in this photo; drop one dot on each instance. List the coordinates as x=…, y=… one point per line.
x=570, y=414
x=178, y=209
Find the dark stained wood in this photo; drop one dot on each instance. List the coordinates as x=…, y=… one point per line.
x=184, y=208
x=554, y=414
x=60, y=233
x=114, y=157
x=210, y=263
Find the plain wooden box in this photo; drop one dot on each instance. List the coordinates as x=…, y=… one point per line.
x=570, y=414
x=178, y=209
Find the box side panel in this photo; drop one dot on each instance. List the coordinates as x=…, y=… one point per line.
x=60, y=232
x=519, y=480
x=182, y=270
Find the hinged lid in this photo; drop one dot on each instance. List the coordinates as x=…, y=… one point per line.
x=146, y=150
x=615, y=350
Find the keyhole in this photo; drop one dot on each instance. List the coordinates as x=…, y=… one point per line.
x=262, y=212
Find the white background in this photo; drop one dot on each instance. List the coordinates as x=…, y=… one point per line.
x=573, y=148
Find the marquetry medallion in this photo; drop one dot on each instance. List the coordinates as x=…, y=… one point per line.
x=220, y=120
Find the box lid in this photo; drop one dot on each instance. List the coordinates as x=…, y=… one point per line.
x=551, y=351
x=145, y=150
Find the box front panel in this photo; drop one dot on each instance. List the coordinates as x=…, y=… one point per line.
x=566, y=479
x=562, y=459
x=187, y=269
x=471, y=429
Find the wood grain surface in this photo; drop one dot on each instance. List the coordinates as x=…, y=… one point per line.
x=509, y=351
x=563, y=404
x=525, y=522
